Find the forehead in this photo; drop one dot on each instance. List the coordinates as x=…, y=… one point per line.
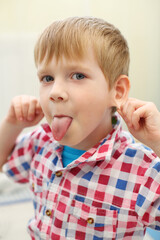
x=73, y=62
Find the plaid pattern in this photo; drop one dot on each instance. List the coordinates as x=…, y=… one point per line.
x=111, y=192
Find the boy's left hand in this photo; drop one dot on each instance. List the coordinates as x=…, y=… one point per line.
x=143, y=121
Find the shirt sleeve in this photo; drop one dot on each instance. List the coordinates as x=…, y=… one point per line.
x=148, y=200
x=18, y=164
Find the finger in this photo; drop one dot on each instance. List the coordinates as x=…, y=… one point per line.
x=130, y=107
x=140, y=115
x=136, y=119
x=32, y=109
x=25, y=101
x=38, y=108
x=122, y=109
x=38, y=118
x=125, y=112
x=17, y=106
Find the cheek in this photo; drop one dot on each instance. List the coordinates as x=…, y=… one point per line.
x=91, y=112
x=94, y=104
x=43, y=96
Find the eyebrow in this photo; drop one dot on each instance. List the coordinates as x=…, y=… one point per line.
x=73, y=67
x=41, y=72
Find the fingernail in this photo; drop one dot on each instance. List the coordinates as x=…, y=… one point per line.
x=37, y=112
x=30, y=118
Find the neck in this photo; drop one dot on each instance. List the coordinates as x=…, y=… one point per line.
x=102, y=130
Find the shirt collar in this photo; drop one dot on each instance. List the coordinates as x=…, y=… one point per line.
x=103, y=150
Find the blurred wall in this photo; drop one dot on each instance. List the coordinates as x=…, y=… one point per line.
x=22, y=21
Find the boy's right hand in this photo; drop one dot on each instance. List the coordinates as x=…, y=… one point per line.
x=25, y=111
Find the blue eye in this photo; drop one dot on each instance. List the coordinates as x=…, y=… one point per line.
x=47, y=79
x=78, y=76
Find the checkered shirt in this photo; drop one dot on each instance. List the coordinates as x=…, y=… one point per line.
x=112, y=191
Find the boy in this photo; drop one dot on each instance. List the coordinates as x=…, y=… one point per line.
x=88, y=177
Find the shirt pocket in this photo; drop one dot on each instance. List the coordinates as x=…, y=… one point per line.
x=87, y=222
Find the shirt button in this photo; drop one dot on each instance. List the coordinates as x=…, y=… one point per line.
x=90, y=220
x=48, y=212
x=33, y=186
x=59, y=173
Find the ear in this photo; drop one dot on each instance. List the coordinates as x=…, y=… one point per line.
x=121, y=90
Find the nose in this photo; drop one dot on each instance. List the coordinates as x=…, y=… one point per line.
x=58, y=92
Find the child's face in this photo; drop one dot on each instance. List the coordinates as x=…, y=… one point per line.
x=76, y=100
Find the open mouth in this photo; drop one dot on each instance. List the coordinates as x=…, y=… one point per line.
x=60, y=125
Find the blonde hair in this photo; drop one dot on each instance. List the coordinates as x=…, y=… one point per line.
x=72, y=37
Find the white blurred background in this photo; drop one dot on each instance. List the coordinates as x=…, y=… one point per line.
x=21, y=22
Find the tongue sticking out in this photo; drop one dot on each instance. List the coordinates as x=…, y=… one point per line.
x=60, y=126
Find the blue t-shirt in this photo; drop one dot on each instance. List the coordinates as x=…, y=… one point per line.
x=70, y=154
x=155, y=235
